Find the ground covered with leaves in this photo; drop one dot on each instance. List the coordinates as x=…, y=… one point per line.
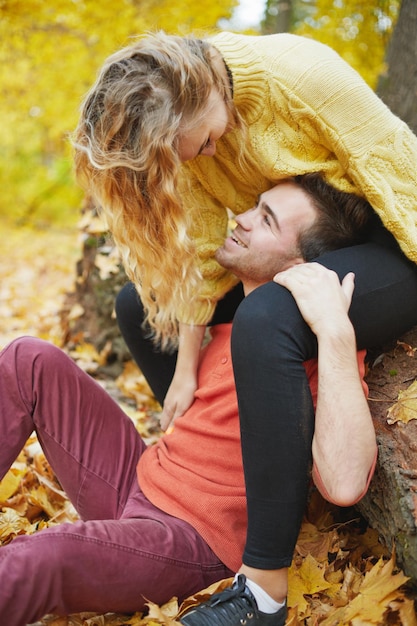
x=341, y=573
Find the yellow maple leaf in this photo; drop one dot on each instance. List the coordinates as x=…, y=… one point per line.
x=10, y=483
x=88, y=358
x=305, y=580
x=405, y=409
x=41, y=498
x=133, y=384
x=379, y=588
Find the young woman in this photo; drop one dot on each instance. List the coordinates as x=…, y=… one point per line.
x=262, y=109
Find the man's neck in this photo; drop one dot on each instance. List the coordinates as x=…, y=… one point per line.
x=248, y=287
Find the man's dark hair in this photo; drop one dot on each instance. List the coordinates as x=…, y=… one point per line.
x=342, y=218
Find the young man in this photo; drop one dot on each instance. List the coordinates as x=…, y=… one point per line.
x=171, y=519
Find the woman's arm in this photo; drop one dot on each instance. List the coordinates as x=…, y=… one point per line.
x=180, y=394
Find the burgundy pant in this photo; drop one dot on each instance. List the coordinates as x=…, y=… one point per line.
x=124, y=551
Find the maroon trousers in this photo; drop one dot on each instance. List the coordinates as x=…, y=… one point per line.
x=125, y=551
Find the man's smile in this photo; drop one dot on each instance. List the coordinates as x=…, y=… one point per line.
x=238, y=241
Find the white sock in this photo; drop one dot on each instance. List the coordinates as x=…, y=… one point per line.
x=265, y=603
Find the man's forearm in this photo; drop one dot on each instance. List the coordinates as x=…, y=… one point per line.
x=344, y=444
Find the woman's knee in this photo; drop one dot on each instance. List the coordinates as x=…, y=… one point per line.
x=384, y=303
x=269, y=319
x=128, y=307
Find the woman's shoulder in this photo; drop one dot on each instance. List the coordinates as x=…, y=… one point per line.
x=267, y=45
x=282, y=58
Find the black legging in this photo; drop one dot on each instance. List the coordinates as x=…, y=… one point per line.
x=270, y=342
x=158, y=367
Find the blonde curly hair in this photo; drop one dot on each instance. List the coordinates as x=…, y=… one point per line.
x=126, y=157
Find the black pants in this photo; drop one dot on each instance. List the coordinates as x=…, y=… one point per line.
x=270, y=341
x=158, y=367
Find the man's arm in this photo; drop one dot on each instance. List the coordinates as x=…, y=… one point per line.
x=344, y=444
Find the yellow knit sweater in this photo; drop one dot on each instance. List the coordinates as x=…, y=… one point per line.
x=306, y=110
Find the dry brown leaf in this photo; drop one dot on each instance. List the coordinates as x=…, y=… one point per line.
x=405, y=409
x=203, y=595
x=133, y=384
x=317, y=543
x=13, y=524
x=409, y=350
x=406, y=610
x=165, y=614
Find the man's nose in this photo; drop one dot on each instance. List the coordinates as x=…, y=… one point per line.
x=245, y=219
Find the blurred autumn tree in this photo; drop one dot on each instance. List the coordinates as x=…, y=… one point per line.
x=50, y=52
x=358, y=30
x=49, y=55
x=397, y=84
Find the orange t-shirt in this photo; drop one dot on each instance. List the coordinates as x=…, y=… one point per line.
x=196, y=472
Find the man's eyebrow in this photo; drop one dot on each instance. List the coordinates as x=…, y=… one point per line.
x=265, y=207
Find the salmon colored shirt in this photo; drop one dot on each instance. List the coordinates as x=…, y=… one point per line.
x=196, y=472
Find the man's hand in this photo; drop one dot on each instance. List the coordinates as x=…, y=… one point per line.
x=322, y=300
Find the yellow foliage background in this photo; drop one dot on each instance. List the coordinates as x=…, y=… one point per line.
x=51, y=50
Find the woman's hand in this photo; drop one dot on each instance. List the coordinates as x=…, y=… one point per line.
x=180, y=394
x=179, y=398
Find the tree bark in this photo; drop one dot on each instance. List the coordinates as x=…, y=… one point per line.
x=390, y=506
x=88, y=315
x=397, y=87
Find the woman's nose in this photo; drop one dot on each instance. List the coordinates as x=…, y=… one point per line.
x=210, y=150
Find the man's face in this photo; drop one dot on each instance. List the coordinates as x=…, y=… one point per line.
x=265, y=240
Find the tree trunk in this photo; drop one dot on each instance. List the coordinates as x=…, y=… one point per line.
x=390, y=506
x=278, y=17
x=398, y=85
x=88, y=312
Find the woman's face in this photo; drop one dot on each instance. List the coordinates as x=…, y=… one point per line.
x=201, y=139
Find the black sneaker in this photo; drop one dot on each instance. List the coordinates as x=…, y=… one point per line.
x=235, y=606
